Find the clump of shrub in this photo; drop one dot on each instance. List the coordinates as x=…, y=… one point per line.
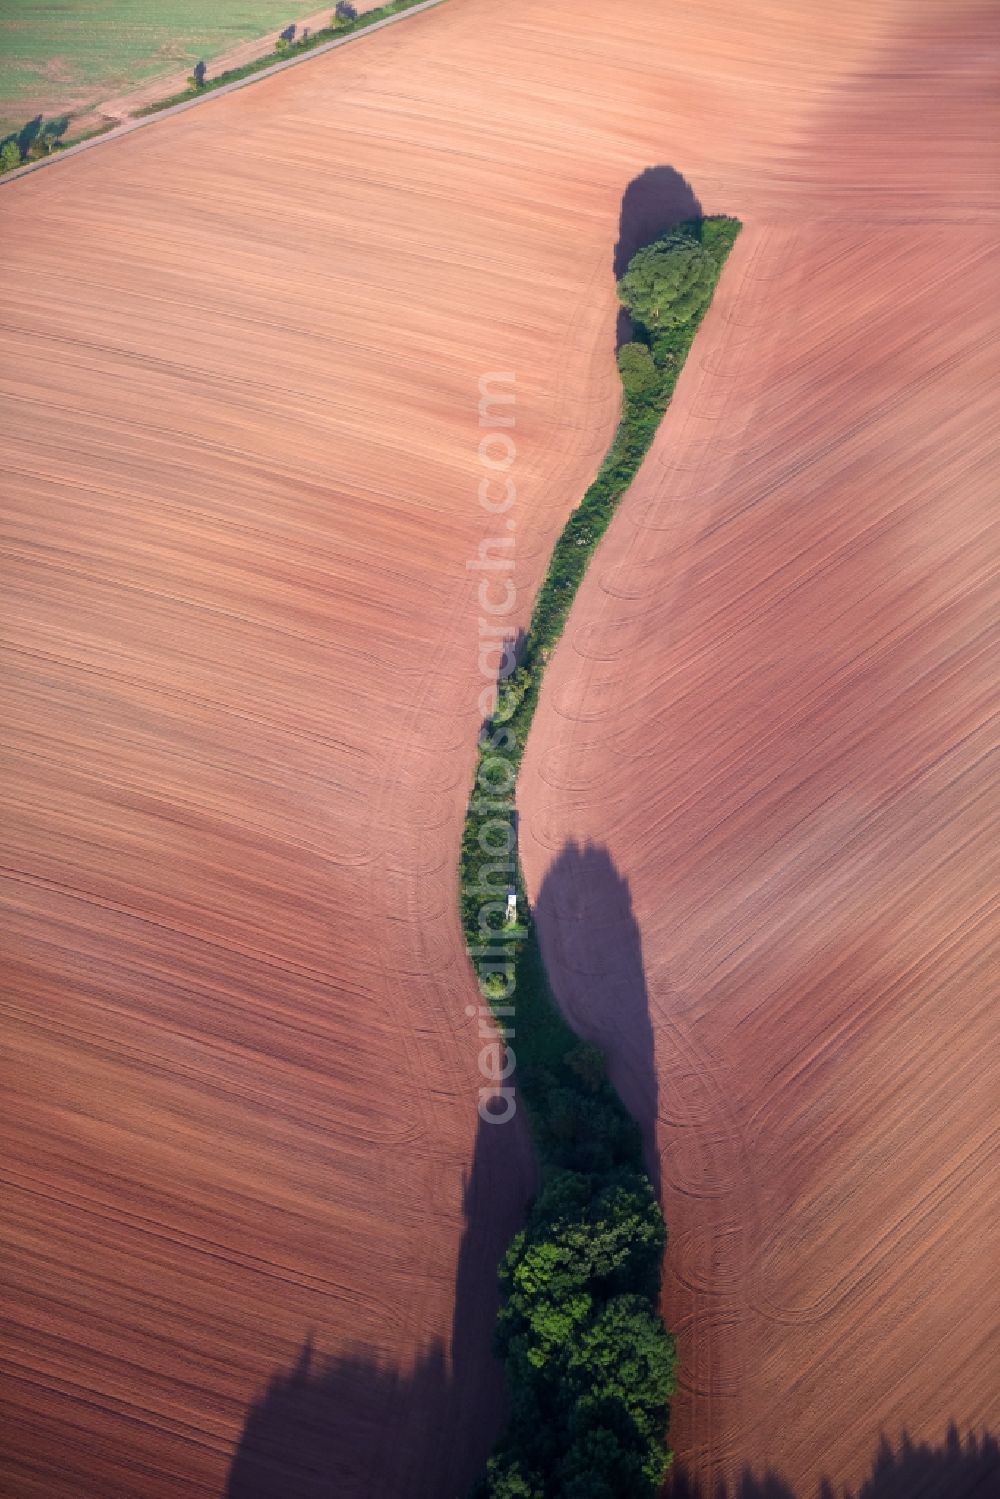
x=590, y=1367
x=589, y=1364
x=640, y=377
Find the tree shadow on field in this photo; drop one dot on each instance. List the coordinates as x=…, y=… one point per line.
x=499, y=657
x=654, y=202
x=592, y=951
x=959, y=1468
x=37, y=137
x=350, y=1427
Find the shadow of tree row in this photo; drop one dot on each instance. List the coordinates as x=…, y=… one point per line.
x=653, y=203
x=350, y=1428
x=959, y=1468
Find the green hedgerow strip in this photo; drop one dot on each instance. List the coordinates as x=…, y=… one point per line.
x=590, y=1367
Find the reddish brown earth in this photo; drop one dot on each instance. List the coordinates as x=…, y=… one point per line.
x=242, y=350
x=773, y=715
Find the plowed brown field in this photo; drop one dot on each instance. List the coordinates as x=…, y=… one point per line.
x=775, y=708
x=241, y=353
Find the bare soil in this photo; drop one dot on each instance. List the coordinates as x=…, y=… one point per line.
x=251, y=1228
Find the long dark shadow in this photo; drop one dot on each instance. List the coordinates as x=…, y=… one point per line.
x=958, y=1468
x=349, y=1427
x=592, y=949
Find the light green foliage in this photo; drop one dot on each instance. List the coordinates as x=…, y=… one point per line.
x=669, y=283
x=10, y=156
x=506, y=1479
x=103, y=47
x=588, y=1237
x=640, y=377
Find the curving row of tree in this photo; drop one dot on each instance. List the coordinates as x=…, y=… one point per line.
x=40, y=138
x=590, y=1367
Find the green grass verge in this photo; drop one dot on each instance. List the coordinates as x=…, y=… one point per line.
x=590, y=1367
